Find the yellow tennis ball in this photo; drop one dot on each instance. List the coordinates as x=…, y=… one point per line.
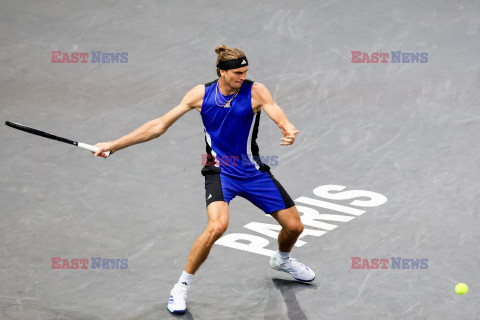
x=461, y=288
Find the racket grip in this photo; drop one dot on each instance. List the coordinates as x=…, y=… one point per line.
x=91, y=148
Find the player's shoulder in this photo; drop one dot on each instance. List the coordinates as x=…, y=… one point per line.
x=194, y=97
x=259, y=89
x=198, y=90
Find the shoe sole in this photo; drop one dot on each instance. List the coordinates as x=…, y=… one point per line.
x=301, y=280
x=177, y=311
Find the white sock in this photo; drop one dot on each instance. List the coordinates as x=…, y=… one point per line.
x=283, y=256
x=185, y=278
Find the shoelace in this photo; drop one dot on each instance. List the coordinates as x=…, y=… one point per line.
x=180, y=289
x=292, y=266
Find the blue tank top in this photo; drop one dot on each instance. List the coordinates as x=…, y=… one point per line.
x=231, y=133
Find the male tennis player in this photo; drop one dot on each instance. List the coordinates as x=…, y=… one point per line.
x=230, y=108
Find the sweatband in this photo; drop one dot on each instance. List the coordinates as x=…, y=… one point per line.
x=233, y=64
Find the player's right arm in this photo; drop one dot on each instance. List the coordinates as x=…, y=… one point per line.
x=155, y=128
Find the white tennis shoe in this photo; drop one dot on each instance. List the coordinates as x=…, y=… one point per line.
x=298, y=270
x=176, y=302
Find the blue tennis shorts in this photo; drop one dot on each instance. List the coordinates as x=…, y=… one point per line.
x=263, y=190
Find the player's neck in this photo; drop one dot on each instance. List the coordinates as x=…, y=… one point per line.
x=224, y=88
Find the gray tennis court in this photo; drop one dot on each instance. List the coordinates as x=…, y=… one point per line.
x=386, y=164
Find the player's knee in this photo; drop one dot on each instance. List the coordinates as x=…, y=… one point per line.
x=296, y=228
x=300, y=228
x=216, y=230
x=219, y=230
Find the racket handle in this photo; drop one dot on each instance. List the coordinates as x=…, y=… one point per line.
x=91, y=148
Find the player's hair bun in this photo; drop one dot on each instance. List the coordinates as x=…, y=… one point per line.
x=220, y=49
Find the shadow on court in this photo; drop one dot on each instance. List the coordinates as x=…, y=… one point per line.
x=289, y=290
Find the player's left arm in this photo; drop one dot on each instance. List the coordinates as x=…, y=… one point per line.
x=262, y=99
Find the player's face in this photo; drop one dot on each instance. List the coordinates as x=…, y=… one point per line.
x=235, y=77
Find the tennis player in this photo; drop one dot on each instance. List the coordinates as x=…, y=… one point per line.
x=230, y=108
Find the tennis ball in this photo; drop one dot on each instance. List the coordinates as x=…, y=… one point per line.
x=461, y=288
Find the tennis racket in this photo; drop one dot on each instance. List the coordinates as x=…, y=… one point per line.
x=53, y=137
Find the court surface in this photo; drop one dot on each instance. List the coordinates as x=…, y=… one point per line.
x=404, y=132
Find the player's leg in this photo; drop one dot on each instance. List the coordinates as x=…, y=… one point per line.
x=268, y=194
x=292, y=227
x=218, y=216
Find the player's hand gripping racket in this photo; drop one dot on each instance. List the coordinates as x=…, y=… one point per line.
x=54, y=137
